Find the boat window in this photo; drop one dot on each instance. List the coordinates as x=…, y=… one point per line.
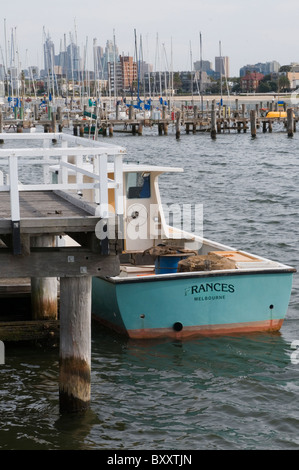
x=138, y=185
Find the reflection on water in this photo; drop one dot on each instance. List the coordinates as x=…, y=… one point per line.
x=234, y=392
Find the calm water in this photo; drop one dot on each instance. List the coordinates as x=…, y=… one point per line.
x=238, y=392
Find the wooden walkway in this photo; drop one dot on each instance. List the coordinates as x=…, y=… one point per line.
x=35, y=217
x=47, y=213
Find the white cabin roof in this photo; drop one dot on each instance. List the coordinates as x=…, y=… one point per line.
x=130, y=167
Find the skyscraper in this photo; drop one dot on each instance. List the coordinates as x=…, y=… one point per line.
x=49, y=54
x=222, y=66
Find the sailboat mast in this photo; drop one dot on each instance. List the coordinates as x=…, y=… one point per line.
x=6, y=63
x=114, y=59
x=220, y=70
x=138, y=68
x=191, y=72
x=201, y=83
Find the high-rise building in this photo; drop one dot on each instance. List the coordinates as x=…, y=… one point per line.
x=49, y=54
x=73, y=61
x=264, y=68
x=122, y=74
x=110, y=57
x=222, y=66
x=128, y=72
x=98, y=58
x=203, y=65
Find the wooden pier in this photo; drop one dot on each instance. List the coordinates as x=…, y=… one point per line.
x=34, y=219
x=213, y=118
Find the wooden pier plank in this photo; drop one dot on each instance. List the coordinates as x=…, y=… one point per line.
x=12, y=331
x=46, y=212
x=58, y=263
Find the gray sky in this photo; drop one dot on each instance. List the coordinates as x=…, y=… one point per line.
x=250, y=32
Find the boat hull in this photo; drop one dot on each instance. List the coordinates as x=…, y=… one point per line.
x=182, y=306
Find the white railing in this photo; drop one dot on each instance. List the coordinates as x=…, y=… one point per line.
x=68, y=156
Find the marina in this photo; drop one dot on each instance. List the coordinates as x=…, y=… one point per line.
x=192, y=115
x=198, y=392
x=96, y=272
x=149, y=177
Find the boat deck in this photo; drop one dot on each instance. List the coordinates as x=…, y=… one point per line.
x=242, y=261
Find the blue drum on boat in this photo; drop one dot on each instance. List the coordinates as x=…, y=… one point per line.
x=166, y=264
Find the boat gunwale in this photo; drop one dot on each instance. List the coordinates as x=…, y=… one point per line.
x=197, y=274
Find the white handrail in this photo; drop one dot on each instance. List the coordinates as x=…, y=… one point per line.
x=16, y=157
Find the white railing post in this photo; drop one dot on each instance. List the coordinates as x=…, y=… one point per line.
x=14, y=191
x=63, y=170
x=46, y=167
x=103, y=163
x=79, y=164
x=15, y=204
x=118, y=194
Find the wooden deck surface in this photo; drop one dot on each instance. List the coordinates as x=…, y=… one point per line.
x=47, y=212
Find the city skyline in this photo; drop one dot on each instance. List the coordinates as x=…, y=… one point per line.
x=262, y=32
x=70, y=57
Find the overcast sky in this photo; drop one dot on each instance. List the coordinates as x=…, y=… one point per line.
x=249, y=32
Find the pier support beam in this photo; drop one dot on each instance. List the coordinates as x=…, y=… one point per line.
x=213, y=121
x=75, y=344
x=253, y=122
x=178, y=125
x=290, y=122
x=140, y=128
x=44, y=289
x=270, y=126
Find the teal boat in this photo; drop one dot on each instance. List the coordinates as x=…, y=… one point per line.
x=178, y=284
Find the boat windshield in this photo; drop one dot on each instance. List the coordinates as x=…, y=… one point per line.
x=138, y=185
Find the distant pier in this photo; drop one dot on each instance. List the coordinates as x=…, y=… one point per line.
x=211, y=118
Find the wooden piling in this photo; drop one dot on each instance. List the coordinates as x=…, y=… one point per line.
x=253, y=122
x=290, y=122
x=59, y=114
x=177, y=125
x=213, y=121
x=75, y=344
x=237, y=107
x=53, y=122
x=140, y=128
x=270, y=126
x=44, y=289
x=131, y=111
x=35, y=112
